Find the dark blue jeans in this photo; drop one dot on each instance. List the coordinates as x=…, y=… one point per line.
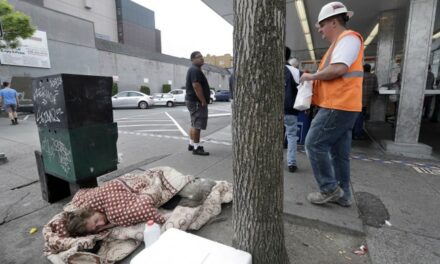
x=358, y=129
x=328, y=145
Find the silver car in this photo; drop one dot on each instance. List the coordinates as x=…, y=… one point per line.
x=129, y=99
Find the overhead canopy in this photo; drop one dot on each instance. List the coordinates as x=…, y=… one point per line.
x=366, y=16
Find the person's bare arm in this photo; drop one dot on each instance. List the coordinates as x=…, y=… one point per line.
x=331, y=72
x=199, y=92
x=107, y=226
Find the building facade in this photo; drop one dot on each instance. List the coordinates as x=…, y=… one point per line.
x=74, y=47
x=224, y=61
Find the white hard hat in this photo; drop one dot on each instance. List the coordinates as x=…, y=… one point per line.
x=332, y=9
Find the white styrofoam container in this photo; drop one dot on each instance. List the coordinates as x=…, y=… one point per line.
x=179, y=247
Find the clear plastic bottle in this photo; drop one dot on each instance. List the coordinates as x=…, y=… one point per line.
x=151, y=233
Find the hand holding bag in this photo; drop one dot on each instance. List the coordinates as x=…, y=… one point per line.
x=304, y=96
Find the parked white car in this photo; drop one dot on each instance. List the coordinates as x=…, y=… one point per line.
x=129, y=99
x=179, y=95
x=164, y=99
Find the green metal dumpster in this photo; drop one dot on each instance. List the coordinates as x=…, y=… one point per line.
x=75, y=124
x=78, y=154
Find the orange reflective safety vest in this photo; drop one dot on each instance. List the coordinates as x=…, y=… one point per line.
x=345, y=92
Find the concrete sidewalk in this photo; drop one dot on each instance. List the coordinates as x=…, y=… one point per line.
x=400, y=190
x=397, y=192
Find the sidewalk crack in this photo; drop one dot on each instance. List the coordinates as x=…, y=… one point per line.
x=9, y=209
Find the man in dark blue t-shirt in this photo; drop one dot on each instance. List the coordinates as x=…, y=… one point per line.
x=196, y=99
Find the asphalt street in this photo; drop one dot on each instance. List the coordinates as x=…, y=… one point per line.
x=162, y=130
x=142, y=133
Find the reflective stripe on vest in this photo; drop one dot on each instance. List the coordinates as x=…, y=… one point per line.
x=353, y=74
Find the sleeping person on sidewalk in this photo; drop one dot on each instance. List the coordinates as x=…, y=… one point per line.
x=116, y=204
x=113, y=204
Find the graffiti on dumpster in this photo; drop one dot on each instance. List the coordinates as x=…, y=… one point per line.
x=54, y=148
x=55, y=83
x=47, y=95
x=51, y=115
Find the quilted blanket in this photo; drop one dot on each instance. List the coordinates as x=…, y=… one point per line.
x=160, y=184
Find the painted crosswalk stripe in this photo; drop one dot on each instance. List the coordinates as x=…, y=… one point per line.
x=177, y=125
x=427, y=170
x=146, y=125
x=144, y=120
x=219, y=115
x=174, y=137
x=158, y=130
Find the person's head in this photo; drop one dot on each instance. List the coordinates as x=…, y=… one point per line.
x=84, y=221
x=429, y=67
x=5, y=84
x=287, y=53
x=294, y=62
x=197, y=58
x=367, y=67
x=332, y=20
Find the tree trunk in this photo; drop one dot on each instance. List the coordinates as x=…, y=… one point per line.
x=258, y=129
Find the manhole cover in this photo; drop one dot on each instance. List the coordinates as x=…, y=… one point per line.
x=372, y=211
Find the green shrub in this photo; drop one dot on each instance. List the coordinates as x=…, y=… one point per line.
x=166, y=88
x=145, y=89
x=115, y=88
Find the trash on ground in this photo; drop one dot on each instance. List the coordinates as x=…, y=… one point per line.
x=361, y=251
x=329, y=237
x=388, y=223
x=33, y=230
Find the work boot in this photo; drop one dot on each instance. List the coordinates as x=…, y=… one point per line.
x=200, y=151
x=292, y=168
x=322, y=198
x=16, y=121
x=342, y=202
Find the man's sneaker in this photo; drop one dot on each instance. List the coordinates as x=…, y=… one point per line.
x=322, y=198
x=200, y=151
x=292, y=168
x=190, y=147
x=342, y=202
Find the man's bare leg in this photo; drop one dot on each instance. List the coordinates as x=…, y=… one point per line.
x=191, y=139
x=11, y=116
x=196, y=135
x=15, y=117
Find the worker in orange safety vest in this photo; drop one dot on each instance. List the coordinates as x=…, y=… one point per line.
x=337, y=91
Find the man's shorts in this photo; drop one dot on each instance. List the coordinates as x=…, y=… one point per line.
x=199, y=114
x=11, y=108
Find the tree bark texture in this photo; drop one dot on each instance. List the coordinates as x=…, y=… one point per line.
x=258, y=111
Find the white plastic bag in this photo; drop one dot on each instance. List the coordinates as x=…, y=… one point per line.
x=304, y=96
